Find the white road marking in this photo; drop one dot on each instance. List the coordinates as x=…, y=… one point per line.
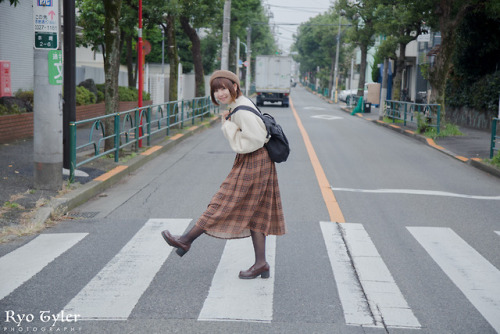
x=477, y=278
x=417, y=192
x=386, y=301
x=233, y=299
x=115, y=290
x=327, y=117
x=355, y=306
x=314, y=108
x=20, y=265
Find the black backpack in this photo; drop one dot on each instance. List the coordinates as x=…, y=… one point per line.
x=277, y=146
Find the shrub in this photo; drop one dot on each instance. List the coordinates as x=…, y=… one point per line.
x=25, y=95
x=84, y=96
x=124, y=94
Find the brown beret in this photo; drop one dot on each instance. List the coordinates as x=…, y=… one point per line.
x=225, y=74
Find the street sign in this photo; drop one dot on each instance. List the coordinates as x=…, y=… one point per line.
x=46, y=23
x=55, y=67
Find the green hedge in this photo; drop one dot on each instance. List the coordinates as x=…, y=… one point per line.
x=83, y=97
x=124, y=94
x=481, y=95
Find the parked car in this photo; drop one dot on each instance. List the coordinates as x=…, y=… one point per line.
x=347, y=95
x=343, y=94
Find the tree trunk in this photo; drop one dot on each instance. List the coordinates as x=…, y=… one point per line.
x=398, y=79
x=196, y=53
x=173, y=58
x=130, y=62
x=111, y=64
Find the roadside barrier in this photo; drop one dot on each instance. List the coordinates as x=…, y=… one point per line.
x=418, y=113
x=494, y=137
x=132, y=127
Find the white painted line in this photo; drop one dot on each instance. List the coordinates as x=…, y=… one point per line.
x=497, y=232
x=314, y=108
x=114, y=291
x=233, y=299
x=477, y=278
x=417, y=192
x=327, y=117
x=355, y=306
x=23, y=263
x=386, y=301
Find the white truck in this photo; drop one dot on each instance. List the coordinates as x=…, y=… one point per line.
x=273, y=79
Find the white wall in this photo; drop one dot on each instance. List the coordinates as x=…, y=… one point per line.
x=17, y=38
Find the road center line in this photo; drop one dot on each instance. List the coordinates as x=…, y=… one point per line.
x=417, y=192
x=331, y=202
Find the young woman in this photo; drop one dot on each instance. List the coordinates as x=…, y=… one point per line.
x=248, y=202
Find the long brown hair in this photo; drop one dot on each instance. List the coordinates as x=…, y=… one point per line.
x=221, y=83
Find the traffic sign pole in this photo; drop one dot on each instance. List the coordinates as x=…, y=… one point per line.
x=140, y=67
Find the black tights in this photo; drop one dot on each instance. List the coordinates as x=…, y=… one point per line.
x=259, y=247
x=258, y=240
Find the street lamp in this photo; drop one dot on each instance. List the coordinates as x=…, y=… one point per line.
x=341, y=13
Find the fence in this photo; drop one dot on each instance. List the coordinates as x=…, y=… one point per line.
x=417, y=113
x=494, y=137
x=131, y=127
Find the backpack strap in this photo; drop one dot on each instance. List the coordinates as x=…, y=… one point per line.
x=244, y=108
x=258, y=113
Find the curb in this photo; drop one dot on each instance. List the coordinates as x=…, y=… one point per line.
x=80, y=195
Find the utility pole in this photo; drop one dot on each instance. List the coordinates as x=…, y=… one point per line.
x=47, y=96
x=334, y=97
x=383, y=91
x=225, y=36
x=249, y=61
x=69, y=105
x=238, y=57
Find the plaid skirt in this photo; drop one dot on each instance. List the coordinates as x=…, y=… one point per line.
x=248, y=200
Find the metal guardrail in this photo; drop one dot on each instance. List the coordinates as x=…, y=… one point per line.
x=132, y=126
x=494, y=137
x=413, y=113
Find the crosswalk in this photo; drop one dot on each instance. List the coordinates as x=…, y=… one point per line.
x=368, y=292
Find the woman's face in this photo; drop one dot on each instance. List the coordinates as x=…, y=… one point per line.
x=223, y=95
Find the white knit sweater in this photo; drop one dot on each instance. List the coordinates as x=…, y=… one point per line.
x=245, y=131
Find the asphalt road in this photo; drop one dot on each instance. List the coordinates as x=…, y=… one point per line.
x=418, y=252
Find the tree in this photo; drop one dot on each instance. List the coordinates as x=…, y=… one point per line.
x=446, y=16
x=93, y=17
x=111, y=63
x=363, y=14
x=245, y=14
x=404, y=20
x=194, y=15
x=316, y=46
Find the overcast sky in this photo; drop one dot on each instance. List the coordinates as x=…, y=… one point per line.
x=293, y=11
